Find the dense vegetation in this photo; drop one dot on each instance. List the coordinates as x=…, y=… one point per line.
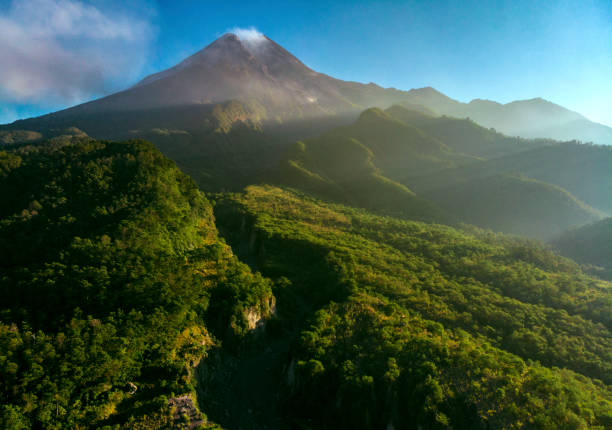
x=116, y=285
x=409, y=164
x=514, y=204
x=591, y=245
x=113, y=284
x=357, y=291
x=419, y=324
x=581, y=169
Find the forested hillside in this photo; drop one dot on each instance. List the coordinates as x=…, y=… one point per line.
x=409, y=164
x=514, y=204
x=582, y=170
x=403, y=323
x=116, y=286
x=242, y=242
x=591, y=245
x=113, y=284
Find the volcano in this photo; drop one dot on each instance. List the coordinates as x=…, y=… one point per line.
x=255, y=81
x=267, y=83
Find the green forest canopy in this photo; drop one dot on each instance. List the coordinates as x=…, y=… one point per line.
x=113, y=276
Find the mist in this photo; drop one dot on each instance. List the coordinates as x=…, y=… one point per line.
x=68, y=50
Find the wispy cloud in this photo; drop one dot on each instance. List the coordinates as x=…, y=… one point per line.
x=249, y=36
x=66, y=50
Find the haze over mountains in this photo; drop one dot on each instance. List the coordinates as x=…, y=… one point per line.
x=276, y=87
x=295, y=251
x=534, y=118
x=271, y=82
x=229, y=114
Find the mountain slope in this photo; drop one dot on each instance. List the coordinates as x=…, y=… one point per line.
x=259, y=73
x=342, y=170
x=358, y=164
x=373, y=163
x=590, y=244
x=582, y=170
x=113, y=285
x=279, y=89
x=534, y=118
x=464, y=135
x=122, y=307
x=402, y=323
x=514, y=204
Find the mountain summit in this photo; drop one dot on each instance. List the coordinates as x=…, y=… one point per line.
x=229, y=68
x=269, y=86
x=253, y=69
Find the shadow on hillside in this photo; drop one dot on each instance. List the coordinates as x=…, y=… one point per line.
x=244, y=390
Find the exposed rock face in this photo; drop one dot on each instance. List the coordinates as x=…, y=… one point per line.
x=185, y=414
x=256, y=319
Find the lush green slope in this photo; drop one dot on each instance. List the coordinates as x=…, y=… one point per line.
x=583, y=170
x=406, y=152
x=514, y=204
x=113, y=283
x=374, y=162
x=417, y=324
x=354, y=157
x=397, y=147
x=342, y=169
x=463, y=135
x=17, y=136
x=591, y=245
x=361, y=163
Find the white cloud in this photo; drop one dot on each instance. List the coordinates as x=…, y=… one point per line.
x=68, y=50
x=249, y=36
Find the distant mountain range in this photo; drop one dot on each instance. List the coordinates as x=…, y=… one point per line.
x=274, y=88
x=346, y=273
x=534, y=118
x=271, y=84
x=410, y=165
x=230, y=115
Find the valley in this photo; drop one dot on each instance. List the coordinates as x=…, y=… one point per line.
x=242, y=242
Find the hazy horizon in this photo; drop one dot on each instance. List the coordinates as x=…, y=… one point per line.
x=560, y=52
x=221, y=237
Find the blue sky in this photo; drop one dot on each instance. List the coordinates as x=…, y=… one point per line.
x=57, y=53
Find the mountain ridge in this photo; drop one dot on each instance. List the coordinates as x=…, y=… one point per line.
x=263, y=71
x=326, y=281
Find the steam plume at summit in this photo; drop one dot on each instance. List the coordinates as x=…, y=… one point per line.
x=249, y=35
